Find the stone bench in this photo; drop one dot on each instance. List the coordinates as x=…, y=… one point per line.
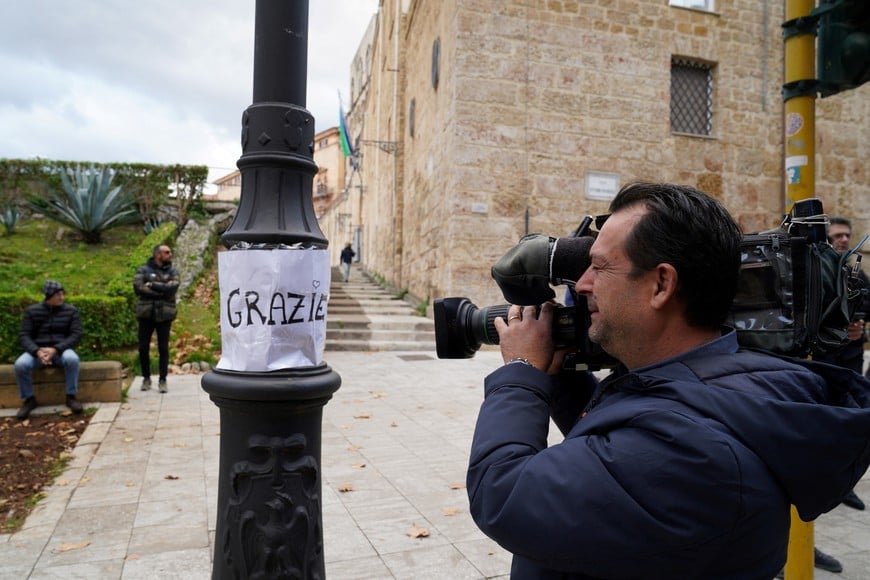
x=99, y=381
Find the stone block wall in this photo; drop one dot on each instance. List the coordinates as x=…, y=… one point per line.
x=532, y=96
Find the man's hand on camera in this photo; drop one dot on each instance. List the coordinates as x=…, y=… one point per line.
x=527, y=334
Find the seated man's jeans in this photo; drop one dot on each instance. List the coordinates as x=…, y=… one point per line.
x=25, y=364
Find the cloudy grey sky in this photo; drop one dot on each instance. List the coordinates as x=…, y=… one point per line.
x=152, y=81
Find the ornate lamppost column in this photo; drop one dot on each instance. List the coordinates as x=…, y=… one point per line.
x=271, y=384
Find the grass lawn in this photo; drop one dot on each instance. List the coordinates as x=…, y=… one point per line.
x=41, y=249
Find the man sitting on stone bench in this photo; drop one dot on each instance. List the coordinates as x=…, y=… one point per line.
x=49, y=332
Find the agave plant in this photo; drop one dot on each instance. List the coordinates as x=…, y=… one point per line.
x=151, y=224
x=9, y=218
x=88, y=203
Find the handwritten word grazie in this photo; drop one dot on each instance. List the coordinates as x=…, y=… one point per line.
x=286, y=308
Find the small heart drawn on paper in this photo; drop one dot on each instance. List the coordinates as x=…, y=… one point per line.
x=315, y=283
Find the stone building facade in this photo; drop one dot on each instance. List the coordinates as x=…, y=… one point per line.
x=480, y=121
x=330, y=179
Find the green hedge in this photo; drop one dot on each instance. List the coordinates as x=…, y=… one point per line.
x=108, y=321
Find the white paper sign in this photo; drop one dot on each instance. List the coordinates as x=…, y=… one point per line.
x=273, y=308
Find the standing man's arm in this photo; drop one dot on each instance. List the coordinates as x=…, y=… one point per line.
x=167, y=288
x=174, y=282
x=140, y=284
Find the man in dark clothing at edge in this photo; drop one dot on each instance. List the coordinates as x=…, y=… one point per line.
x=852, y=355
x=155, y=284
x=684, y=461
x=48, y=334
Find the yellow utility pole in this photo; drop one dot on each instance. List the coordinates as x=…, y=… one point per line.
x=799, y=93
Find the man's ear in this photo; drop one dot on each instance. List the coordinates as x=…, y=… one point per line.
x=666, y=283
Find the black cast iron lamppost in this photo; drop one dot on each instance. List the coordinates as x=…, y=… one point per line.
x=271, y=384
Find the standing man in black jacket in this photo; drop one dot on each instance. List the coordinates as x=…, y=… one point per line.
x=850, y=356
x=155, y=285
x=49, y=332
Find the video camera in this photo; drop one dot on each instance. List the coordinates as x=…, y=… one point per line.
x=796, y=295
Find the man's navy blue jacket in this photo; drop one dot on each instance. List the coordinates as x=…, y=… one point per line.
x=682, y=469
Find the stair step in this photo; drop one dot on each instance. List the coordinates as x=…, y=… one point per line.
x=384, y=334
x=404, y=323
x=377, y=345
x=367, y=301
x=344, y=311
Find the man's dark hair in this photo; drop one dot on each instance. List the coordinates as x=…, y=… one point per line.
x=696, y=235
x=840, y=221
x=156, y=249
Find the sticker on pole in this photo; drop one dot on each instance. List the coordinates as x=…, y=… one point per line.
x=273, y=308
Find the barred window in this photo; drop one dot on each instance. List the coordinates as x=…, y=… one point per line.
x=697, y=4
x=691, y=97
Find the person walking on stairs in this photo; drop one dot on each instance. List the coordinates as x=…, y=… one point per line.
x=347, y=255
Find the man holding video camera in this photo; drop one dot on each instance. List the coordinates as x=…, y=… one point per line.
x=684, y=461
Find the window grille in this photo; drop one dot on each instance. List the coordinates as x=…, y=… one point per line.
x=691, y=97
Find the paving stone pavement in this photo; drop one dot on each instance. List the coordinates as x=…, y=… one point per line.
x=138, y=501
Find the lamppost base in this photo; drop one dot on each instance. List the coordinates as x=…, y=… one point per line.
x=269, y=520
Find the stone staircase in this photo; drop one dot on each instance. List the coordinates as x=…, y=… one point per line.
x=362, y=316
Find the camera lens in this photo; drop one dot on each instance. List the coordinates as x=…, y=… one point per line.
x=461, y=327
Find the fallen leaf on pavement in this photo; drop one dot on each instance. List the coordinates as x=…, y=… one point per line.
x=457, y=486
x=359, y=465
x=68, y=547
x=417, y=532
x=362, y=416
x=450, y=511
x=170, y=476
x=345, y=487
